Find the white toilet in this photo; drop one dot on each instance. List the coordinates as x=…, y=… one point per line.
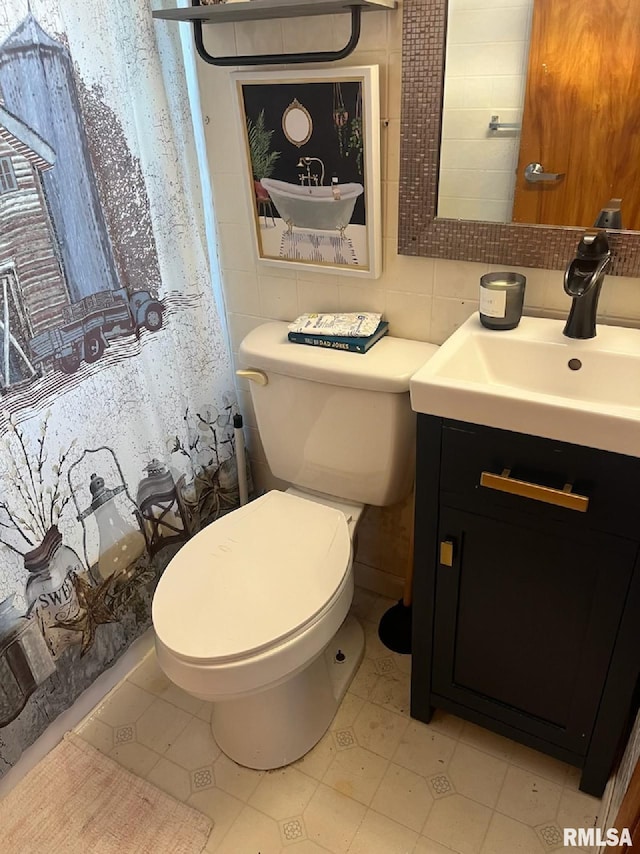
x=251, y=614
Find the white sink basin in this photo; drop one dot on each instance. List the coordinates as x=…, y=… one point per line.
x=521, y=380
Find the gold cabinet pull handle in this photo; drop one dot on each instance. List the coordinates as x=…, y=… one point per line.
x=446, y=552
x=560, y=497
x=255, y=376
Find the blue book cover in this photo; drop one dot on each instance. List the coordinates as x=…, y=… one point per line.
x=336, y=342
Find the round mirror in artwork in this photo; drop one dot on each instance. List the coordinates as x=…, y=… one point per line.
x=296, y=123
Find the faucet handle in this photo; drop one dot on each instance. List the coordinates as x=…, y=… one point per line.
x=594, y=245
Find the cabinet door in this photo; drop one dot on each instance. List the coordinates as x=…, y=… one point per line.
x=525, y=622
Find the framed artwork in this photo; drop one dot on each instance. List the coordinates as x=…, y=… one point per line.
x=312, y=152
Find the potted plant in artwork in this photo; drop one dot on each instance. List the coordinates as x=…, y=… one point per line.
x=263, y=161
x=340, y=117
x=355, y=143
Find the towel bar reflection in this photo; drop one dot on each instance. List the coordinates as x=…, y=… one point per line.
x=496, y=124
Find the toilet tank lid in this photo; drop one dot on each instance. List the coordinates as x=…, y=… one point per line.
x=388, y=366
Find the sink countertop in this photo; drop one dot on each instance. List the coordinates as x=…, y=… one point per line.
x=521, y=380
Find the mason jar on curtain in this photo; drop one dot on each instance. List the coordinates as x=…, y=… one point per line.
x=51, y=594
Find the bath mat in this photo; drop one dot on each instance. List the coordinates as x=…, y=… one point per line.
x=78, y=801
x=309, y=246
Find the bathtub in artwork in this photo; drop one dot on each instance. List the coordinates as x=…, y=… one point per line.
x=313, y=207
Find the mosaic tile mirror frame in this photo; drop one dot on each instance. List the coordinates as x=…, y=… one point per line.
x=420, y=231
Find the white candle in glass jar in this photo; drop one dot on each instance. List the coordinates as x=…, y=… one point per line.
x=501, y=299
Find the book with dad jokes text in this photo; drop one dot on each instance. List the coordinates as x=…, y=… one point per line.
x=338, y=342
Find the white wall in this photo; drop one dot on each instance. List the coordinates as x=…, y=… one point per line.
x=477, y=165
x=423, y=299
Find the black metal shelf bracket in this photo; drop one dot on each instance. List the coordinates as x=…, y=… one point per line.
x=280, y=58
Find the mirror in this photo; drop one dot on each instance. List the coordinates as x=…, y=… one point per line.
x=297, y=124
x=483, y=97
x=538, y=96
x=421, y=231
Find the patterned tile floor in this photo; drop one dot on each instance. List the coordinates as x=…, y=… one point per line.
x=377, y=783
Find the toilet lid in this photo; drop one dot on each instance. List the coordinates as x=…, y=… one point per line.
x=251, y=578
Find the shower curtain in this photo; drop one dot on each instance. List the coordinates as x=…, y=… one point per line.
x=116, y=392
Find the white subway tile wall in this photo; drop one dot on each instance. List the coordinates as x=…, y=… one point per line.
x=478, y=165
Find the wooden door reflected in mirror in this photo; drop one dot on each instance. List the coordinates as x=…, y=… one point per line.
x=581, y=113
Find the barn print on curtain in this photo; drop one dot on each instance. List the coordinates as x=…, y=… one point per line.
x=116, y=403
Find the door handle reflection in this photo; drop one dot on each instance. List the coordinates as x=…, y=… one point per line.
x=534, y=173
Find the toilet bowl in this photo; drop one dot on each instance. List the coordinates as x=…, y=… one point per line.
x=251, y=615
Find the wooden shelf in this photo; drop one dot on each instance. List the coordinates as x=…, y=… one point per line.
x=262, y=10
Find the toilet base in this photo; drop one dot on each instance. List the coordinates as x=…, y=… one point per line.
x=275, y=727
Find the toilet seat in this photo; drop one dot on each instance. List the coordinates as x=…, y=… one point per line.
x=252, y=580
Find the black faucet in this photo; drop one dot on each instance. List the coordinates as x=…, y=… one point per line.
x=583, y=280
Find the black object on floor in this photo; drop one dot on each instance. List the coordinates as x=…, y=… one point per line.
x=395, y=628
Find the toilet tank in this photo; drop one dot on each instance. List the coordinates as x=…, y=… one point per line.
x=336, y=422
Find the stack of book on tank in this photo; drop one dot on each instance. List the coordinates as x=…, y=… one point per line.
x=353, y=332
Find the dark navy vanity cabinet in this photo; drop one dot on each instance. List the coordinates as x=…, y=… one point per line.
x=527, y=612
